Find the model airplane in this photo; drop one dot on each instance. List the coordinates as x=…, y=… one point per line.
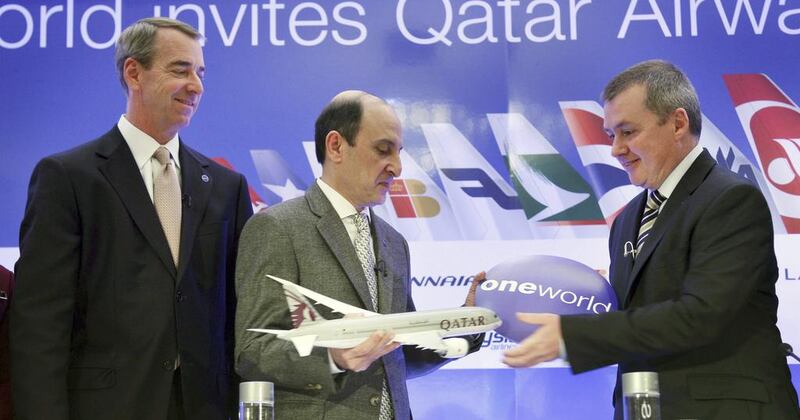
x=424, y=329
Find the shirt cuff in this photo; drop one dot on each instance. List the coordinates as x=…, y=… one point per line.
x=334, y=369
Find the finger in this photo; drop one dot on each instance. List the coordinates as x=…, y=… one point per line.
x=385, y=346
x=521, y=361
x=367, y=346
x=533, y=318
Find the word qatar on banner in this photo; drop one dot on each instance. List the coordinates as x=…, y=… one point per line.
x=474, y=21
x=542, y=283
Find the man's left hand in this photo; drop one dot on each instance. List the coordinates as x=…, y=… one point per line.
x=541, y=346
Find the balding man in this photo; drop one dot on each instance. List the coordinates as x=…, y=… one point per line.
x=312, y=241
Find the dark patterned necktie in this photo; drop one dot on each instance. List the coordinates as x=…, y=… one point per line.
x=654, y=202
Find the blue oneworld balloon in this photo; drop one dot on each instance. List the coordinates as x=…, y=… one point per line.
x=542, y=283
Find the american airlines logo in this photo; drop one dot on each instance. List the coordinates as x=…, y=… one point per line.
x=459, y=195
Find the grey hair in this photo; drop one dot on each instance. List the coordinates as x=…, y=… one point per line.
x=667, y=89
x=138, y=42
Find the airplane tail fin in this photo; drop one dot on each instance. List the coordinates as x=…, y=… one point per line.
x=300, y=309
x=304, y=343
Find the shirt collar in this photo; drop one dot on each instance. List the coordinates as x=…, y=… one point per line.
x=343, y=207
x=143, y=146
x=669, y=184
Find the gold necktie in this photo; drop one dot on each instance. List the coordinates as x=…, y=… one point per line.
x=167, y=199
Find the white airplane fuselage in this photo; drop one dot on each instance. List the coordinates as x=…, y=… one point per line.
x=349, y=332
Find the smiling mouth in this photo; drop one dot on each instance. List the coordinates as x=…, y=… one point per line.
x=629, y=163
x=186, y=102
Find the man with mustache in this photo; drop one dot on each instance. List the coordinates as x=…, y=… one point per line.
x=312, y=241
x=124, y=302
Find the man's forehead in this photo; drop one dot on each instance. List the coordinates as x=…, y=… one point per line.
x=621, y=106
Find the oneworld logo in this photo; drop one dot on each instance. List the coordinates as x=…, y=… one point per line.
x=567, y=297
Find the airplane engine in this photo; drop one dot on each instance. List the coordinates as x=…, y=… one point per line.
x=456, y=347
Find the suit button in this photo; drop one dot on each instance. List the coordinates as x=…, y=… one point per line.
x=375, y=400
x=179, y=296
x=168, y=365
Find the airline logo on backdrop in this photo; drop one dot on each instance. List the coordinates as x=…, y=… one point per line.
x=484, y=205
x=417, y=206
x=771, y=121
x=549, y=189
x=409, y=201
x=606, y=176
x=276, y=176
x=255, y=199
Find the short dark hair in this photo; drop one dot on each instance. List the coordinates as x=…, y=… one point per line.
x=342, y=115
x=667, y=89
x=137, y=41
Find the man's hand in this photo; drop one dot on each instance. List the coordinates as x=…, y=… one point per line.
x=541, y=346
x=360, y=357
x=477, y=280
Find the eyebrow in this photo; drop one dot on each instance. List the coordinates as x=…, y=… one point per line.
x=184, y=63
x=392, y=142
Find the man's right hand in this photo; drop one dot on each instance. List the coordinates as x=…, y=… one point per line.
x=360, y=357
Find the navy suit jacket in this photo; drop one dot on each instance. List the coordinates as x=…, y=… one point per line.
x=698, y=304
x=100, y=312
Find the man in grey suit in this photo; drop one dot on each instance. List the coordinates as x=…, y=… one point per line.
x=697, y=291
x=312, y=241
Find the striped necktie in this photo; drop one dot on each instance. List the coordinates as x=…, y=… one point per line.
x=654, y=202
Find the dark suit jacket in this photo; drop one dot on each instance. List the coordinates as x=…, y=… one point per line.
x=698, y=304
x=6, y=290
x=304, y=241
x=101, y=312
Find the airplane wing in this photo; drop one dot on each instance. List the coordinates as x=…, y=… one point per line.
x=334, y=304
x=428, y=340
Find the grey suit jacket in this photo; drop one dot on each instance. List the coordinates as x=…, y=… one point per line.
x=304, y=240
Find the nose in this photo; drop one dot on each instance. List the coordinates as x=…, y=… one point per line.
x=395, y=166
x=195, y=84
x=617, y=148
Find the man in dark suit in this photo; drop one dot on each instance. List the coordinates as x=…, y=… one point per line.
x=314, y=241
x=125, y=302
x=692, y=264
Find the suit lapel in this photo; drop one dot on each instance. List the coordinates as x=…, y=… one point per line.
x=628, y=234
x=383, y=276
x=666, y=218
x=332, y=229
x=196, y=187
x=119, y=168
